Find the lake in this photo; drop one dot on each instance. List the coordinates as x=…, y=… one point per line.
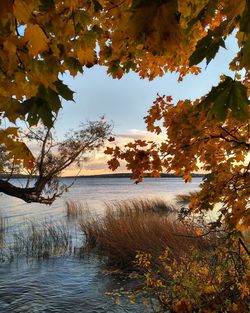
x=71, y=284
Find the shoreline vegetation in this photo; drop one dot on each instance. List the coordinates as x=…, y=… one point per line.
x=131, y=225
x=179, y=263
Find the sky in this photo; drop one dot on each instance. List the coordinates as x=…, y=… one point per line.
x=125, y=102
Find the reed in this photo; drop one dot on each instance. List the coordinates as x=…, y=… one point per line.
x=5, y=255
x=42, y=240
x=184, y=199
x=75, y=209
x=132, y=226
x=136, y=207
x=3, y=229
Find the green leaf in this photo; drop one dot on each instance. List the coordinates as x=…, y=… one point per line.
x=53, y=100
x=64, y=90
x=50, y=97
x=136, y=4
x=74, y=65
x=12, y=109
x=245, y=55
x=37, y=109
x=206, y=48
x=245, y=19
x=238, y=101
x=245, y=27
x=228, y=95
x=97, y=5
x=46, y=5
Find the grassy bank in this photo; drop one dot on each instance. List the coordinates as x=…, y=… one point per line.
x=183, y=268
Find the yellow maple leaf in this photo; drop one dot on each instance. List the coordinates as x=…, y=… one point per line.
x=86, y=55
x=23, y=10
x=37, y=40
x=9, y=46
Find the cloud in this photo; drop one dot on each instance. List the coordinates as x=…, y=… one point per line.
x=134, y=134
x=97, y=163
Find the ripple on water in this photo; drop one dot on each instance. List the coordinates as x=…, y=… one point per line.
x=67, y=284
x=64, y=284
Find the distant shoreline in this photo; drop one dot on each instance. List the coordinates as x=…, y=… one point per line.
x=114, y=175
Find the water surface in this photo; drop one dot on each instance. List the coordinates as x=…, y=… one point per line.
x=66, y=283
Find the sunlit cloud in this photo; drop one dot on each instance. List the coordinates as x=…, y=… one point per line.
x=97, y=162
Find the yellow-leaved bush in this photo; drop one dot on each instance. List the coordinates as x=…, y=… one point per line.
x=203, y=281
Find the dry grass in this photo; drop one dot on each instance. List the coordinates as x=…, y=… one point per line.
x=132, y=226
x=3, y=229
x=139, y=207
x=42, y=240
x=75, y=209
x=184, y=199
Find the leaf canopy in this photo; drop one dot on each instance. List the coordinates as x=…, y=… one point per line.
x=41, y=40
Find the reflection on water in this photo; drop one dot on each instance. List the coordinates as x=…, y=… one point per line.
x=66, y=283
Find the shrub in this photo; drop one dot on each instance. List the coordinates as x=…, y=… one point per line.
x=203, y=281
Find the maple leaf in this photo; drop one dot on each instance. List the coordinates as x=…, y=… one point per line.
x=23, y=10
x=37, y=40
x=207, y=48
x=108, y=150
x=110, y=139
x=229, y=94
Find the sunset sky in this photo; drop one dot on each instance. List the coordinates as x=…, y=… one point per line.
x=125, y=102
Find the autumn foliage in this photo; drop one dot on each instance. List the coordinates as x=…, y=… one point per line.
x=196, y=140
x=210, y=134
x=201, y=281
x=41, y=40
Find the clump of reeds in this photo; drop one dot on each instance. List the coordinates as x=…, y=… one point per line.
x=132, y=226
x=42, y=240
x=140, y=206
x=4, y=254
x=75, y=209
x=184, y=199
x=3, y=228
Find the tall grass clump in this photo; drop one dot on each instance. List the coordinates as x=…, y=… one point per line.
x=42, y=240
x=75, y=209
x=3, y=229
x=184, y=199
x=131, y=226
x=136, y=207
x=2, y=234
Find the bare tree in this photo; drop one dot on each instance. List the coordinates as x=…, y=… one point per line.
x=43, y=184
